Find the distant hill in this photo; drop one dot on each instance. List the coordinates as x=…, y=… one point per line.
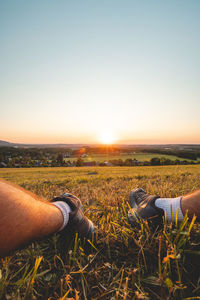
x=189, y=147
x=5, y=144
x=8, y=144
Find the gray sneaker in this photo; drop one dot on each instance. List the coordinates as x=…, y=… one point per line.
x=143, y=207
x=78, y=222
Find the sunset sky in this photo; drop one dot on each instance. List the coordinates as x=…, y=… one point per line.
x=78, y=71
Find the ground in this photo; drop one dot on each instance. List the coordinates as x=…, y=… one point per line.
x=123, y=263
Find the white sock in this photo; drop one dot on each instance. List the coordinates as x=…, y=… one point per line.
x=65, y=210
x=170, y=203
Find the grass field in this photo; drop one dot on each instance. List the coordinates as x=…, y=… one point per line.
x=123, y=263
x=123, y=156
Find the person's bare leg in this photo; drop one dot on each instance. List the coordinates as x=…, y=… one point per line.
x=191, y=203
x=24, y=218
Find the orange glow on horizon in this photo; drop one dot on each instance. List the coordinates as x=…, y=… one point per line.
x=102, y=137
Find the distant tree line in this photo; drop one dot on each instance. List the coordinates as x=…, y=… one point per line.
x=155, y=161
x=194, y=155
x=33, y=157
x=55, y=157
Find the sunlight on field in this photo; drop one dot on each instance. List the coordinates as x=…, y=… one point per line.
x=122, y=257
x=157, y=178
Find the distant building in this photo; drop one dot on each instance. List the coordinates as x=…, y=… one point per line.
x=107, y=163
x=67, y=154
x=3, y=164
x=135, y=162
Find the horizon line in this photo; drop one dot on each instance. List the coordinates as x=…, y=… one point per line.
x=99, y=144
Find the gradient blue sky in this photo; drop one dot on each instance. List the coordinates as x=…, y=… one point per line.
x=73, y=70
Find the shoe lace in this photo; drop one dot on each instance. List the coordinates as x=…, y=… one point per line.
x=140, y=196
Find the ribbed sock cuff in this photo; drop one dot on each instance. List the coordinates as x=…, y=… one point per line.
x=65, y=210
x=168, y=204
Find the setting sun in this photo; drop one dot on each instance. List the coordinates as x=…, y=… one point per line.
x=107, y=137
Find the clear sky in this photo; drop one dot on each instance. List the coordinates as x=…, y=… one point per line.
x=74, y=71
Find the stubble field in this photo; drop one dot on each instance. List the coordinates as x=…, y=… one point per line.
x=123, y=263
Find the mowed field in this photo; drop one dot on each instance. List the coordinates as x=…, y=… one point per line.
x=145, y=262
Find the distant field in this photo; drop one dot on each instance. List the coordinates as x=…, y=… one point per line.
x=138, y=156
x=126, y=263
x=35, y=175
